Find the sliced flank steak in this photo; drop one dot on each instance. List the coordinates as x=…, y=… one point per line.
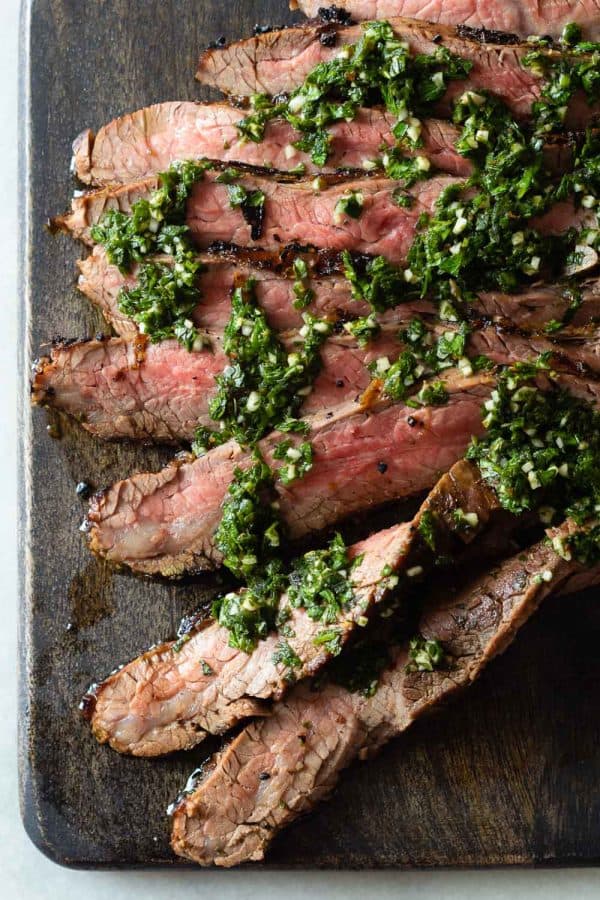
x=296, y=212
x=366, y=452
x=530, y=310
x=496, y=17
x=149, y=140
x=171, y=696
x=282, y=766
x=135, y=390
x=274, y=279
x=279, y=61
x=300, y=213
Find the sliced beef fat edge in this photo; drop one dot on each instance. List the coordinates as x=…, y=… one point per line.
x=529, y=310
x=365, y=453
x=279, y=61
x=499, y=18
x=148, y=141
x=267, y=777
x=169, y=697
x=135, y=390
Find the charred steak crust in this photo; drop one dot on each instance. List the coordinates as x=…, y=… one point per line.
x=488, y=21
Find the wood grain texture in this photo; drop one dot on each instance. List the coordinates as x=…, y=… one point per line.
x=508, y=775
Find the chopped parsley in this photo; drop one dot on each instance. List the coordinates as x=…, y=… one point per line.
x=250, y=614
x=540, y=451
x=427, y=528
x=249, y=529
x=424, y=655
x=249, y=539
x=164, y=299
x=298, y=460
x=321, y=584
x=378, y=69
x=252, y=206
x=364, y=329
x=432, y=394
x=577, y=68
x=330, y=639
x=423, y=357
x=376, y=282
x=286, y=656
x=265, y=383
x=303, y=293
x=350, y=204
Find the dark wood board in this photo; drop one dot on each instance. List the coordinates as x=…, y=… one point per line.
x=509, y=774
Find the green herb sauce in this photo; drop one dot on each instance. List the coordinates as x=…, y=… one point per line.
x=425, y=655
x=320, y=582
x=378, y=69
x=264, y=384
x=540, y=452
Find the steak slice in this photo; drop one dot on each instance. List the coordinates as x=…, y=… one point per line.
x=267, y=776
x=298, y=213
x=510, y=17
x=149, y=140
x=293, y=213
x=131, y=389
x=168, y=698
x=529, y=310
x=279, y=61
x=121, y=389
x=365, y=453
x=101, y=282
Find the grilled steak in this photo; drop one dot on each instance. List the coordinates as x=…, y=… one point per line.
x=132, y=389
x=129, y=389
x=279, y=61
x=164, y=522
x=512, y=17
x=168, y=698
x=296, y=213
x=267, y=776
x=101, y=283
x=146, y=142
x=529, y=310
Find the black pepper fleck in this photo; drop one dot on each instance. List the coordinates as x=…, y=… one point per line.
x=412, y=421
x=382, y=467
x=339, y=383
x=264, y=776
x=328, y=38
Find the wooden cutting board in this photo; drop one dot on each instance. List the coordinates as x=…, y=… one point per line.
x=509, y=774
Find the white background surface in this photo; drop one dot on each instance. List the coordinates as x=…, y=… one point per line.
x=24, y=872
